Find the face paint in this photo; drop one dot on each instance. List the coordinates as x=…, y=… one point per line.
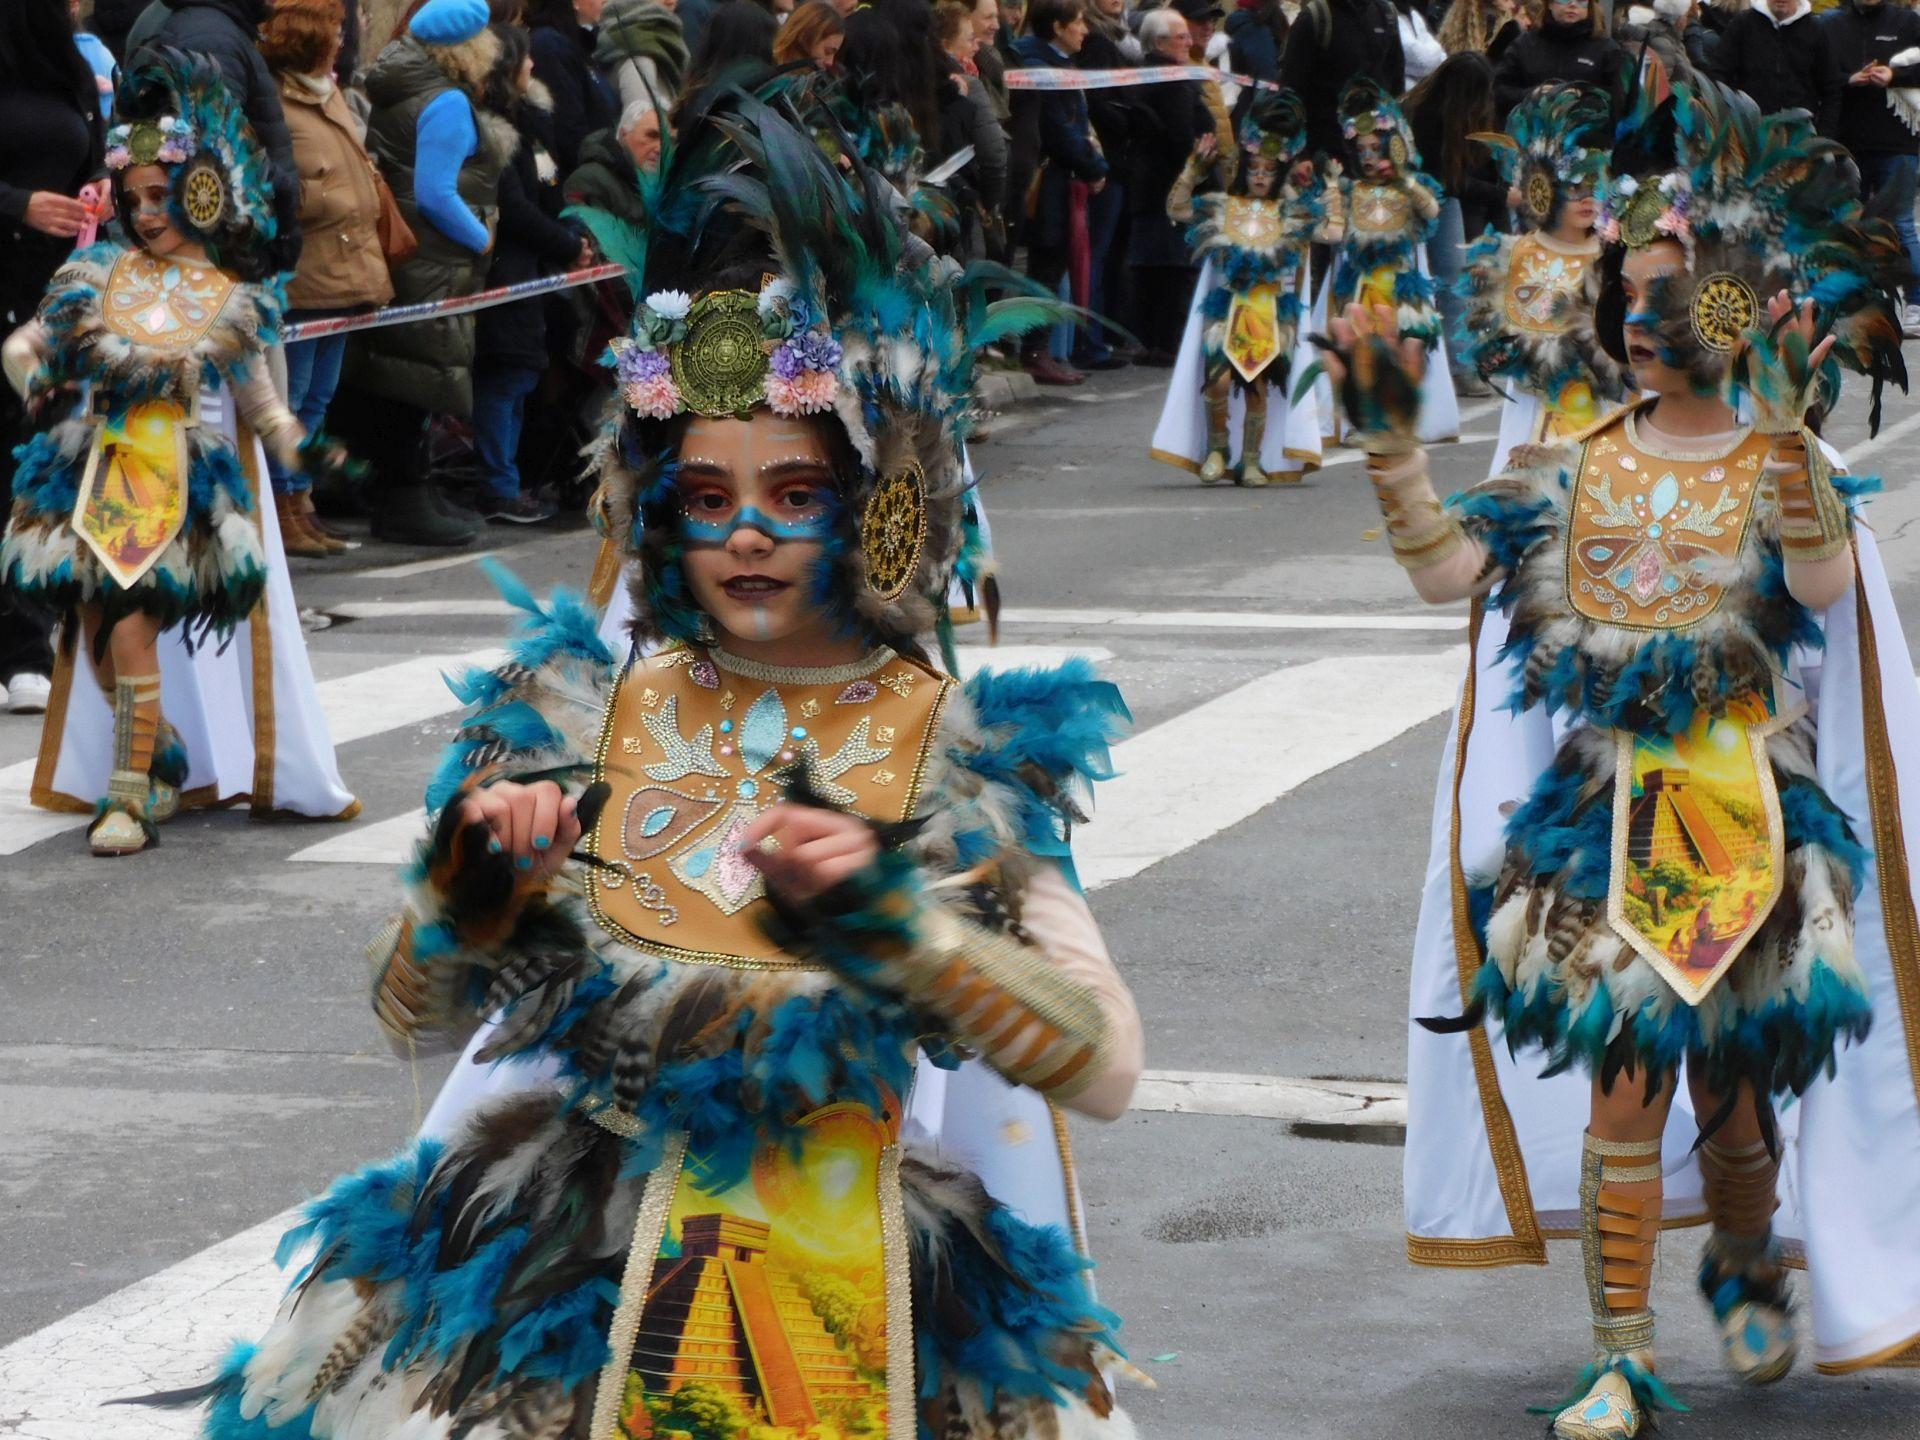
x=717, y=532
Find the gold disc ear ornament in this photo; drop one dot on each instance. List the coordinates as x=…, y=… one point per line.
x=720, y=367
x=1539, y=195
x=1640, y=223
x=893, y=531
x=203, y=196
x=1724, y=308
x=1397, y=152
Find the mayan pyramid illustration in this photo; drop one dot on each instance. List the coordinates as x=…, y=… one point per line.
x=1673, y=819
x=724, y=1315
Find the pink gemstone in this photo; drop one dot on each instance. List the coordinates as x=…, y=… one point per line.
x=1646, y=575
x=786, y=757
x=858, y=693
x=703, y=674
x=1715, y=475
x=1627, y=462
x=726, y=749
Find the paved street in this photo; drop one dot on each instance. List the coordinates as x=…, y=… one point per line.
x=186, y=1049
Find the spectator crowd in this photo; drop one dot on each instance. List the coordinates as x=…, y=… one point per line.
x=436, y=148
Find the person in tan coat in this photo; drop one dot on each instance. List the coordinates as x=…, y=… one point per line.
x=342, y=268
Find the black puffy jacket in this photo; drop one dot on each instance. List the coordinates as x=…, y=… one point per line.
x=1783, y=67
x=1858, y=35
x=1332, y=42
x=1557, y=54
x=531, y=241
x=227, y=32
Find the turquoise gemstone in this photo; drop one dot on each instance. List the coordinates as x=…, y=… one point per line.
x=656, y=821
x=749, y=789
x=698, y=862
x=726, y=727
x=1654, y=531
x=799, y=732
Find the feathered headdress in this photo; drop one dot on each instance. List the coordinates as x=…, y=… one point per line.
x=1557, y=141
x=1366, y=109
x=175, y=111
x=1273, y=125
x=1760, y=204
x=773, y=278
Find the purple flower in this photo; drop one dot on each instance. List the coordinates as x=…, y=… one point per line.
x=636, y=365
x=810, y=350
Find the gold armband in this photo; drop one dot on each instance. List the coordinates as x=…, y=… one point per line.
x=1011, y=1004
x=407, y=1000
x=1814, y=523
x=1421, y=530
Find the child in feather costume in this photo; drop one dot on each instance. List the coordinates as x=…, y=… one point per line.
x=1528, y=322
x=133, y=509
x=727, y=891
x=1666, y=791
x=1390, y=206
x=1252, y=242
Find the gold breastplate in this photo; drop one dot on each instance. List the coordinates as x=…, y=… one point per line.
x=164, y=304
x=1380, y=209
x=1546, y=286
x=1649, y=534
x=1251, y=224
x=696, y=744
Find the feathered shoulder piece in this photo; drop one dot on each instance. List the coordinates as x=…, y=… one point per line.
x=90, y=347
x=1029, y=744
x=1528, y=317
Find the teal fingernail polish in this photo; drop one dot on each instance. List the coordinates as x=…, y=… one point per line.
x=541, y=842
x=493, y=845
x=523, y=862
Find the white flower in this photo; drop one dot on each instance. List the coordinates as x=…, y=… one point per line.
x=776, y=294
x=670, y=304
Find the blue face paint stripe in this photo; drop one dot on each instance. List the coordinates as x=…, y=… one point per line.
x=717, y=532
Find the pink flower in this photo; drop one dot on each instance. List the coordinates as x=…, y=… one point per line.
x=807, y=393
x=657, y=398
x=1674, y=223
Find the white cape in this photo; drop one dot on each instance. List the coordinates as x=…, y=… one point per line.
x=1439, y=406
x=1492, y=1160
x=1181, y=436
x=247, y=710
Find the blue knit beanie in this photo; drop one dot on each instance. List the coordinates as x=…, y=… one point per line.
x=448, y=22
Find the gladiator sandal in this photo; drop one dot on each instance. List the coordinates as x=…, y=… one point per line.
x=1253, y=433
x=1618, y=1236
x=124, y=824
x=168, y=772
x=1214, y=468
x=1740, y=1271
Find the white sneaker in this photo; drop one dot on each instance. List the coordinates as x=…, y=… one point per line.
x=27, y=694
x=1910, y=320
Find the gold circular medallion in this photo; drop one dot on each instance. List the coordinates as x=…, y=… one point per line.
x=1639, y=225
x=1397, y=152
x=203, y=197
x=1539, y=195
x=1724, y=309
x=721, y=366
x=893, y=531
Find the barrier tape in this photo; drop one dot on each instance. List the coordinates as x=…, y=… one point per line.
x=453, y=305
x=1038, y=78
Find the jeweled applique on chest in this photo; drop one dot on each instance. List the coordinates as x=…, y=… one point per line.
x=1545, y=287
x=694, y=749
x=164, y=304
x=1252, y=224
x=1380, y=209
x=1649, y=536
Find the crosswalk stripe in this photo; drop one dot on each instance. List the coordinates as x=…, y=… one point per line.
x=1222, y=762
x=357, y=706
x=423, y=567
x=171, y=1329
x=389, y=841
x=1067, y=619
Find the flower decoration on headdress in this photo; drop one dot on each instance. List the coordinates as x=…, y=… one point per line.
x=1556, y=143
x=166, y=141
x=705, y=355
x=1366, y=109
x=1637, y=212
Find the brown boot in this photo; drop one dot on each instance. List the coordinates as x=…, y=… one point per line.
x=304, y=502
x=295, y=537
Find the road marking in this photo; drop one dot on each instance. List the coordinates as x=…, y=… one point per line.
x=1884, y=438
x=1226, y=620
x=1273, y=1097
x=1270, y=735
x=171, y=1329
x=357, y=706
x=422, y=567
x=391, y=841
x=476, y=608
x=1354, y=457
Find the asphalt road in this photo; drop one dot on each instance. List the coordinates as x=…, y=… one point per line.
x=185, y=1046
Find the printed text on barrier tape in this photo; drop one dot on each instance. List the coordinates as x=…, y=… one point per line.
x=1038, y=78
x=453, y=305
